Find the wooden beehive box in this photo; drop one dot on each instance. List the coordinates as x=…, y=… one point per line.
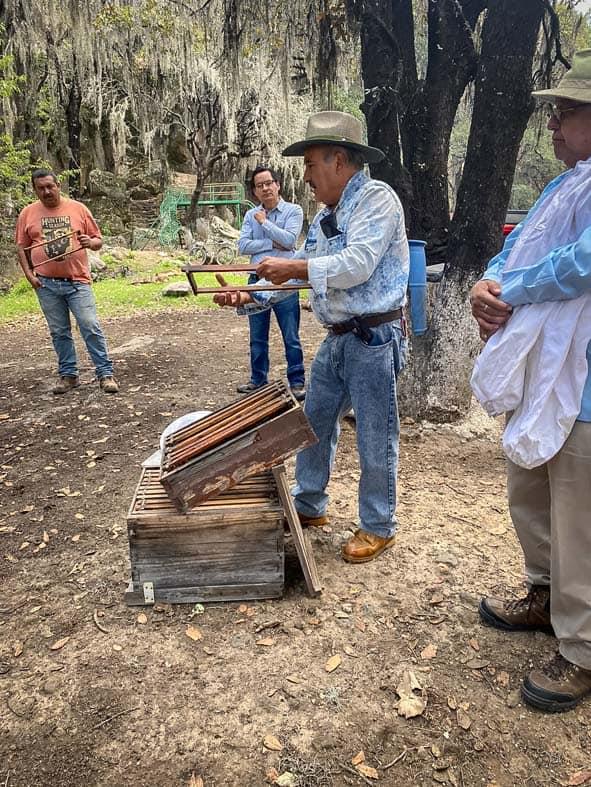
x=228, y=548
x=237, y=441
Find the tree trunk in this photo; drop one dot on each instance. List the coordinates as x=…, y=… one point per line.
x=386, y=33
x=74, y=132
x=436, y=385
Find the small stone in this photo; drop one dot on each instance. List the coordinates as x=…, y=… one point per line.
x=177, y=290
x=513, y=698
x=50, y=686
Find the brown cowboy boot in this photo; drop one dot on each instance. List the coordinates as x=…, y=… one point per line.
x=556, y=687
x=363, y=547
x=531, y=613
x=313, y=521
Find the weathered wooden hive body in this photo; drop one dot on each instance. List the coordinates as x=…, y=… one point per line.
x=244, y=438
x=208, y=525
x=228, y=548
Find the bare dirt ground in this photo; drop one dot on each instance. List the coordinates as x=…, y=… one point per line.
x=137, y=703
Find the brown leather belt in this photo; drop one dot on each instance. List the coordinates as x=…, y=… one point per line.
x=361, y=323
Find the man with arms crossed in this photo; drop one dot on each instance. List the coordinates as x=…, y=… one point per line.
x=550, y=503
x=273, y=226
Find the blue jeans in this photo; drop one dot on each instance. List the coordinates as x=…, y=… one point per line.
x=350, y=372
x=287, y=313
x=57, y=299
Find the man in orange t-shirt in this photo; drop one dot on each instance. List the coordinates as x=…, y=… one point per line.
x=52, y=236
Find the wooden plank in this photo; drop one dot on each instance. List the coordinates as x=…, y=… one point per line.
x=227, y=465
x=171, y=572
x=300, y=539
x=207, y=593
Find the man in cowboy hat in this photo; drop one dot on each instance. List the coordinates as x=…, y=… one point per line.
x=550, y=502
x=355, y=258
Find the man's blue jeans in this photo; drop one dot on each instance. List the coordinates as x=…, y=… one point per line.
x=287, y=313
x=349, y=372
x=57, y=299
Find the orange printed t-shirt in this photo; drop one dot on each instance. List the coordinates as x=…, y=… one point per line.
x=37, y=224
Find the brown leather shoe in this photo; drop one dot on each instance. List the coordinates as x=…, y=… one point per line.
x=558, y=686
x=65, y=384
x=109, y=385
x=363, y=547
x=313, y=521
x=531, y=613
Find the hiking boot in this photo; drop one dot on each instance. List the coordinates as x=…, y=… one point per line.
x=531, y=613
x=109, y=385
x=313, y=521
x=299, y=392
x=248, y=387
x=560, y=685
x=65, y=384
x=363, y=547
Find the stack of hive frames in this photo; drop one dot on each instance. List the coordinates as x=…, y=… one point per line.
x=227, y=548
x=240, y=440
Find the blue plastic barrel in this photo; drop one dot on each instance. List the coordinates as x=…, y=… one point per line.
x=417, y=283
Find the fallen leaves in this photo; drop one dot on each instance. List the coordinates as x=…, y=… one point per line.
x=367, y=771
x=142, y=618
x=67, y=492
x=413, y=699
x=577, y=779
x=266, y=642
x=287, y=779
x=193, y=633
x=464, y=721
x=333, y=663
x=429, y=652
x=477, y=663
x=59, y=644
x=272, y=743
x=195, y=781
x=358, y=758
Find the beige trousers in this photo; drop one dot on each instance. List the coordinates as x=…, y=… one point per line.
x=551, y=510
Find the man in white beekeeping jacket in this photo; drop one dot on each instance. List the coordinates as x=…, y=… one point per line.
x=533, y=307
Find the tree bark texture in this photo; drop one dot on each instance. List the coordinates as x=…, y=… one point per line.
x=437, y=383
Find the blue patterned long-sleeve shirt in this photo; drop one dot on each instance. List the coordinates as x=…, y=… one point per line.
x=282, y=225
x=363, y=268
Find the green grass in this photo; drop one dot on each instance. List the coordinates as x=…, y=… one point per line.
x=119, y=295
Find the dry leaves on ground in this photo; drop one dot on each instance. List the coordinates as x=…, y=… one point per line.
x=333, y=662
x=272, y=743
x=368, y=771
x=59, y=644
x=429, y=652
x=193, y=633
x=577, y=779
x=413, y=699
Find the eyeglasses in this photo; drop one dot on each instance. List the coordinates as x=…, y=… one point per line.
x=264, y=185
x=558, y=113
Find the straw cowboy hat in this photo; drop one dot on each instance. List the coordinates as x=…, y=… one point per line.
x=335, y=128
x=575, y=84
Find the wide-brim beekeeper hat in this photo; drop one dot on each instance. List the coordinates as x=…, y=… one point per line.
x=335, y=128
x=575, y=84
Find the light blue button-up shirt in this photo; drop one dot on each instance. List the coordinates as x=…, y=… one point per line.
x=562, y=274
x=363, y=269
x=282, y=225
